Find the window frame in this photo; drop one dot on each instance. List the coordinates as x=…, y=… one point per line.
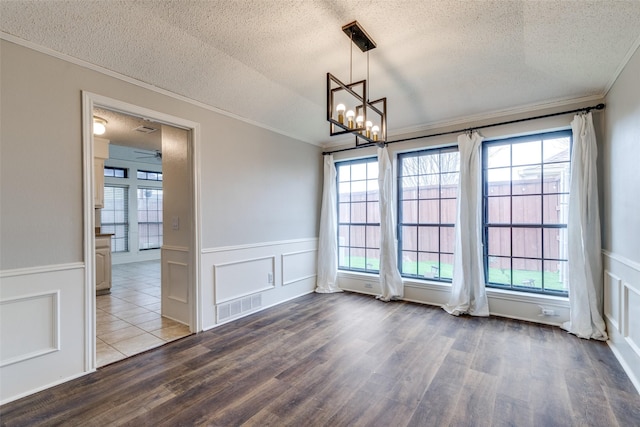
x=541, y=225
x=144, y=245
x=348, y=246
x=105, y=227
x=401, y=224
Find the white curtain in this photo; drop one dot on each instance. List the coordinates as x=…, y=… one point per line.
x=390, y=280
x=468, y=294
x=328, y=239
x=583, y=229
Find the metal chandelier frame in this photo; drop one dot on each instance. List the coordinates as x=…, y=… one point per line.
x=358, y=98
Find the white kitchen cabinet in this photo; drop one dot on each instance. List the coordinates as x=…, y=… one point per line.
x=103, y=264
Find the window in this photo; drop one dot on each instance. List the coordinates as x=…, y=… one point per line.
x=115, y=172
x=427, y=192
x=149, y=218
x=526, y=197
x=149, y=175
x=114, y=217
x=358, y=215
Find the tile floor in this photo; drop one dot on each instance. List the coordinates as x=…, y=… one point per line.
x=128, y=321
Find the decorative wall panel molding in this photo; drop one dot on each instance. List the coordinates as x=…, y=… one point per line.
x=40, y=314
x=298, y=266
x=178, y=276
x=240, y=278
x=612, y=288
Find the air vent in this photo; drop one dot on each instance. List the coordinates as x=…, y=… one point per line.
x=145, y=129
x=232, y=309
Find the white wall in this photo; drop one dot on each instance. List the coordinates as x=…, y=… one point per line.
x=620, y=158
x=257, y=188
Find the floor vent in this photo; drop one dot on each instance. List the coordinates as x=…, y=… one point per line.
x=232, y=309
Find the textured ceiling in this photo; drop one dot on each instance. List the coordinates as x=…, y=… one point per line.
x=266, y=60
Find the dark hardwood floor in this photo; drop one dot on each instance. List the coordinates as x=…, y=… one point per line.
x=350, y=360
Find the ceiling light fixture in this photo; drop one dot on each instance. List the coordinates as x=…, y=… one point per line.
x=99, y=125
x=348, y=107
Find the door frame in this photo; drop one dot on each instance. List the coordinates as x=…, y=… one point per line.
x=89, y=101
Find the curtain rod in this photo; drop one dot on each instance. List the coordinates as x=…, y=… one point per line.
x=579, y=110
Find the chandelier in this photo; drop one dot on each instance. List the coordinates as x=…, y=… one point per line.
x=348, y=107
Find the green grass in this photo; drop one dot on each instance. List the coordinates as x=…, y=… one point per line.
x=428, y=269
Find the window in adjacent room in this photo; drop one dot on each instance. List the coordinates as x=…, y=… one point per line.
x=113, y=172
x=427, y=190
x=358, y=215
x=526, y=200
x=114, y=217
x=149, y=175
x=149, y=218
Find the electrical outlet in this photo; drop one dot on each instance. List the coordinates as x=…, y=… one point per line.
x=368, y=285
x=270, y=277
x=548, y=312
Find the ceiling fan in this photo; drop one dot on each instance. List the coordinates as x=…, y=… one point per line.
x=155, y=154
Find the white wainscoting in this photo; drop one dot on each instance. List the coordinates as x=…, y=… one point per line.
x=42, y=326
x=176, y=283
x=240, y=280
x=622, y=311
x=515, y=305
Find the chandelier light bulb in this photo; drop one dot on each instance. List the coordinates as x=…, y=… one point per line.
x=359, y=121
x=368, y=129
x=375, y=130
x=350, y=115
x=340, y=109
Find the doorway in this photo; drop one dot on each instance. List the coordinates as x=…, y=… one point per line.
x=154, y=289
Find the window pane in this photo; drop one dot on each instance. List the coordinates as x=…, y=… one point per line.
x=429, y=212
x=359, y=212
x=526, y=180
x=498, y=182
x=499, y=270
x=446, y=266
x=555, y=208
x=526, y=209
x=527, y=273
x=527, y=242
x=357, y=236
x=555, y=276
x=526, y=153
x=448, y=210
x=409, y=238
x=344, y=192
x=498, y=156
x=373, y=259
x=373, y=212
x=428, y=265
x=373, y=236
x=447, y=239
x=409, y=264
x=498, y=210
x=449, y=162
x=499, y=243
x=428, y=239
x=555, y=243
x=410, y=211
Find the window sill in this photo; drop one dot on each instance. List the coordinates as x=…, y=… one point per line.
x=492, y=293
